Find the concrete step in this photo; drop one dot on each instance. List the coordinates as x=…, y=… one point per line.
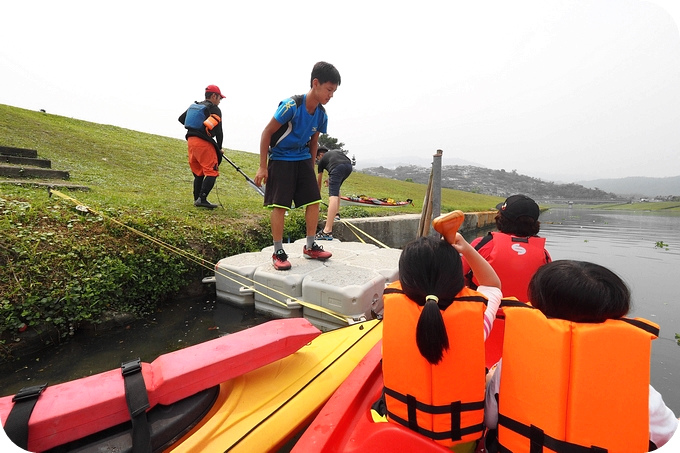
x=14, y=171
x=28, y=161
x=44, y=183
x=22, y=152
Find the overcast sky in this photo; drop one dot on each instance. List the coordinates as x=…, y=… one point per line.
x=559, y=89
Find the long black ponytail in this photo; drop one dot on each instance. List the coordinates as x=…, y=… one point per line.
x=430, y=272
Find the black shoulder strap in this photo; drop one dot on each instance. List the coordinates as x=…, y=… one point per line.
x=16, y=425
x=391, y=290
x=137, y=402
x=483, y=242
x=276, y=136
x=469, y=275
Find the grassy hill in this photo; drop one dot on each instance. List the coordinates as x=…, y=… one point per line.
x=60, y=266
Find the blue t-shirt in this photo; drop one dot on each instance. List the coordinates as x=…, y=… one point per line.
x=292, y=146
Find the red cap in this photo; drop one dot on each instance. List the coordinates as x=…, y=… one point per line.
x=214, y=89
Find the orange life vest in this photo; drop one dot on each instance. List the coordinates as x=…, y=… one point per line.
x=444, y=402
x=515, y=260
x=574, y=387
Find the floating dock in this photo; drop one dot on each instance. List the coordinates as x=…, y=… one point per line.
x=342, y=290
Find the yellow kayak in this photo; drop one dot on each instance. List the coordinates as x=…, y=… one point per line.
x=263, y=409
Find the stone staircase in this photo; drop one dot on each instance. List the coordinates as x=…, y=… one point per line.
x=21, y=166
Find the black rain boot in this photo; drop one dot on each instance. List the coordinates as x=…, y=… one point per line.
x=202, y=200
x=198, y=184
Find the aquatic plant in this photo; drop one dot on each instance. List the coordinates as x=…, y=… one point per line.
x=661, y=245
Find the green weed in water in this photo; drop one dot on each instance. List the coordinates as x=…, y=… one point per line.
x=661, y=245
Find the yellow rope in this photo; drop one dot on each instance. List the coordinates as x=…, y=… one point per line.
x=202, y=262
x=354, y=229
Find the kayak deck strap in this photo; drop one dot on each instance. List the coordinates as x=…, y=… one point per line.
x=16, y=425
x=137, y=402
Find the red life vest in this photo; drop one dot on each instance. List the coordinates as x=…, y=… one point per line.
x=444, y=402
x=574, y=387
x=515, y=260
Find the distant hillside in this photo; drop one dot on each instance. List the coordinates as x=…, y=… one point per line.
x=638, y=186
x=496, y=182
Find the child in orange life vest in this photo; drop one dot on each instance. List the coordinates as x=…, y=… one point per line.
x=434, y=329
x=581, y=292
x=428, y=267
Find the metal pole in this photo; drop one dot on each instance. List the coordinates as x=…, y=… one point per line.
x=436, y=191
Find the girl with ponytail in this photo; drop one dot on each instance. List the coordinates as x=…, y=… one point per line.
x=431, y=275
x=434, y=329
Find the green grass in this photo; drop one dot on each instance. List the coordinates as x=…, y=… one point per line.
x=665, y=206
x=134, y=171
x=60, y=267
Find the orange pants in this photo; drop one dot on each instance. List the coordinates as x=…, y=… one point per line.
x=202, y=157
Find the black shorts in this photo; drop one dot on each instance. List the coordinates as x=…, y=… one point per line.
x=337, y=177
x=291, y=184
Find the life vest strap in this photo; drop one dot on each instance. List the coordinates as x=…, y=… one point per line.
x=654, y=330
x=538, y=439
x=431, y=408
x=16, y=425
x=137, y=402
x=454, y=409
x=445, y=435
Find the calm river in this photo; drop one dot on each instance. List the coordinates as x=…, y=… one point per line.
x=624, y=242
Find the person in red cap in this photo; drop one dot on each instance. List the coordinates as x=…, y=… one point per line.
x=203, y=122
x=515, y=251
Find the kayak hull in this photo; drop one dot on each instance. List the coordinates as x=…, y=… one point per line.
x=73, y=410
x=345, y=424
x=264, y=409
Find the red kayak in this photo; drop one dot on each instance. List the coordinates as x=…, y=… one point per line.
x=186, y=379
x=345, y=424
x=363, y=200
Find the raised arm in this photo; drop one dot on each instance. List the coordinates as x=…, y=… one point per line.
x=482, y=269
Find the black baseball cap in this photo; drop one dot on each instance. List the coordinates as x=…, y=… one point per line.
x=518, y=206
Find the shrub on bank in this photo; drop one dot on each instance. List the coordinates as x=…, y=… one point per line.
x=60, y=267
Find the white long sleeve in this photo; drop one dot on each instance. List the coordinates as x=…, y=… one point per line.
x=494, y=296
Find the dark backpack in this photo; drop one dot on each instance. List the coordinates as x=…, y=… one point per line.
x=287, y=127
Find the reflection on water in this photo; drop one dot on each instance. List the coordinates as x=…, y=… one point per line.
x=627, y=244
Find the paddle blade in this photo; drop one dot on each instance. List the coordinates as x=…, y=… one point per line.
x=448, y=224
x=257, y=189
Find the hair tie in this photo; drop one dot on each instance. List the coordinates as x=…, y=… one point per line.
x=433, y=297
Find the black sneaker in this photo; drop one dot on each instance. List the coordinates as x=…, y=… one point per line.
x=280, y=260
x=323, y=236
x=204, y=203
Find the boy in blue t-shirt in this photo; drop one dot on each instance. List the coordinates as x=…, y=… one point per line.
x=288, y=148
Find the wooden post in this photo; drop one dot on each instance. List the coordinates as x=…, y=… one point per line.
x=436, y=203
x=423, y=225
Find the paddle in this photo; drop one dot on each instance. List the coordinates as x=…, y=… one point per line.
x=250, y=181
